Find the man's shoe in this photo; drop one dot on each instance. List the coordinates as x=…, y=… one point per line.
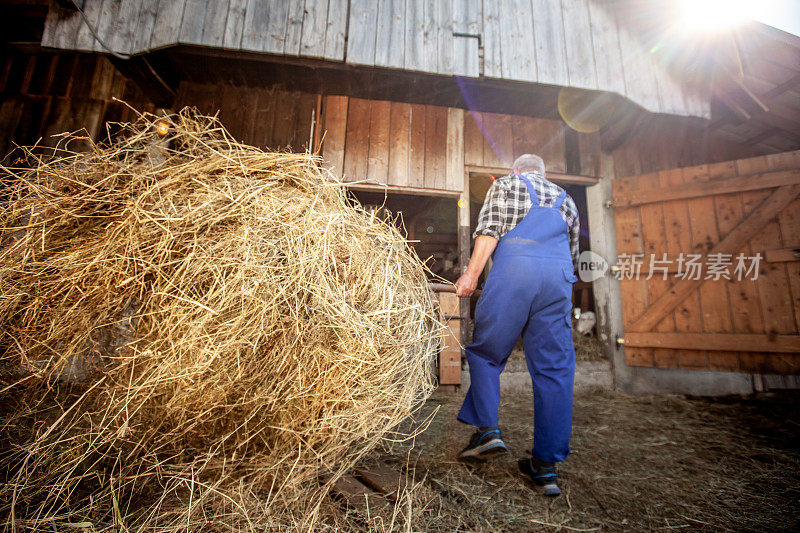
x=543, y=474
x=485, y=443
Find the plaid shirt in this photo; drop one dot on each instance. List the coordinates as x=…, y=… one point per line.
x=508, y=201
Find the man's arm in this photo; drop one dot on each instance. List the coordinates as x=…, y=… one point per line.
x=468, y=282
x=487, y=234
x=574, y=241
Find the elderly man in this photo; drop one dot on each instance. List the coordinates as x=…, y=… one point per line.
x=530, y=227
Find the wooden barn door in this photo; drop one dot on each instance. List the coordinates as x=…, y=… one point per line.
x=741, y=313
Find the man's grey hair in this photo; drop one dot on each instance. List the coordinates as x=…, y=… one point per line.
x=528, y=163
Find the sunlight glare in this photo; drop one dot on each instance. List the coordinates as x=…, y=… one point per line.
x=711, y=15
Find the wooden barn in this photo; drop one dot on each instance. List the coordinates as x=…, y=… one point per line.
x=676, y=150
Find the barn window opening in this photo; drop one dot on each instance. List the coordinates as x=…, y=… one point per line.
x=430, y=223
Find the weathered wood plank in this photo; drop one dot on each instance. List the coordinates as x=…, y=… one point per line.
x=108, y=24
x=677, y=239
x=633, y=291
x=83, y=39
x=256, y=25
x=286, y=120
x=550, y=144
x=655, y=245
x=548, y=34
x=499, y=140
x=335, y=125
x=362, y=35
x=517, y=52
x=399, y=146
x=493, y=35
x=590, y=153
x=277, y=27
x=390, y=45
x=294, y=28
x=265, y=121
x=335, y=30
x=168, y=23
x=378, y=158
x=430, y=43
x=416, y=156
x=578, y=40
x=466, y=20
x=773, y=283
x=215, y=19
x=435, y=147
x=637, y=68
x=789, y=221
x=605, y=41
x=124, y=27
x=194, y=19
x=234, y=24
x=148, y=11
x=371, y=505
x=414, y=39
x=696, y=189
x=688, y=313
x=713, y=296
x=381, y=478
x=715, y=341
x=455, y=150
x=444, y=36
x=357, y=140
x=473, y=139
x=450, y=354
x=314, y=24
x=53, y=22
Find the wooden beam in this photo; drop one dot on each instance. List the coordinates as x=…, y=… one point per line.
x=369, y=504
x=733, y=242
x=464, y=239
x=734, y=106
x=555, y=177
x=782, y=255
x=381, y=478
x=737, y=342
x=389, y=189
x=763, y=136
x=751, y=182
x=789, y=84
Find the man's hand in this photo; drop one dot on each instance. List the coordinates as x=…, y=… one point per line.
x=466, y=285
x=468, y=282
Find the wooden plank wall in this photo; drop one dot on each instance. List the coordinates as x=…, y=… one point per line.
x=44, y=94
x=267, y=118
x=311, y=28
x=407, y=146
x=663, y=144
x=588, y=44
x=495, y=140
x=767, y=308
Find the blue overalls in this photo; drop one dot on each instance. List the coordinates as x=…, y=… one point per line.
x=529, y=292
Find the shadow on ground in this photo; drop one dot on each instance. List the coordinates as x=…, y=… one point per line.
x=643, y=463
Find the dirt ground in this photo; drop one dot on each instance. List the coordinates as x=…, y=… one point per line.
x=645, y=463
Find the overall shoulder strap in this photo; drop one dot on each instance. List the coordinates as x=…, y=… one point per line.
x=531, y=189
x=560, y=200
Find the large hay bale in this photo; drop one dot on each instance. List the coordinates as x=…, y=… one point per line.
x=237, y=327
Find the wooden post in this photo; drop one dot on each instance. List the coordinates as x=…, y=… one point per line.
x=450, y=351
x=464, y=253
